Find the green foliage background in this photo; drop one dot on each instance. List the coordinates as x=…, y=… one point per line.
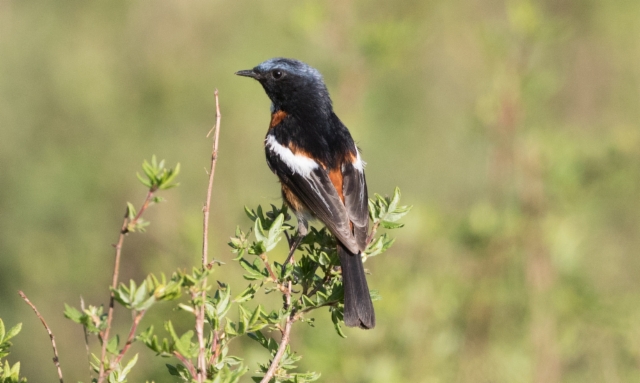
x=511, y=126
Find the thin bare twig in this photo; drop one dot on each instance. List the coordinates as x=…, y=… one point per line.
x=114, y=282
x=202, y=366
x=130, y=338
x=56, y=359
x=207, y=206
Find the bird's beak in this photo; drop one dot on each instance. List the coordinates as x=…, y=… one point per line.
x=249, y=73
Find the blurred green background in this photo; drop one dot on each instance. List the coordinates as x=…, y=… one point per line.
x=511, y=126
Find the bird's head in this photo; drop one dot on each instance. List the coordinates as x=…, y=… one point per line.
x=292, y=85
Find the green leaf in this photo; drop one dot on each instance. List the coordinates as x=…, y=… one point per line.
x=12, y=332
x=157, y=199
x=375, y=295
x=129, y=366
x=336, y=318
x=378, y=246
x=254, y=272
x=144, y=181
x=243, y=323
x=247, y=294
x=140, y=294
x=149, y=171
x=230, y=329
x=373, y=210
x=255, y=316
x=145, y=305
x=112, y=344
x=169, y=176
x=131, y=211
x=274, y=232
x=267, y=343
x=307, y=302
x=186, y=345
x=391, y=225
x=395, y=215
x=258, y=248
x=224, y=298
x=258, y=231
x=395, y=199
x=250, y=213
x=145, y=335
x=70, y=313
x=173, y=371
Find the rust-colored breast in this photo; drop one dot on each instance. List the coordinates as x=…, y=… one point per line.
x=276, y=118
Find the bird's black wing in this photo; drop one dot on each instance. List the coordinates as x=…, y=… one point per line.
x=310, y=183
x=356, y=200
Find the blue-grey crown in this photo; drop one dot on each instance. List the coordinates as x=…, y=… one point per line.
x=291, y=66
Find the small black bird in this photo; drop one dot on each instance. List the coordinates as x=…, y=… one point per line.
x=320, y=169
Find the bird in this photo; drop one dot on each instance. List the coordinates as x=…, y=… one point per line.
x=320, y=171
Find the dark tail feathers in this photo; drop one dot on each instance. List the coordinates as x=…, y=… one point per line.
x=358, y=308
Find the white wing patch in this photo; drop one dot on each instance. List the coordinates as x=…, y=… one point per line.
x=297, y=163
x=359, y=164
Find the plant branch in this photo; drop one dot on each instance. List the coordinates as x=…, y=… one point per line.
x=187, y=363
x=114, y=282
x=289, y=238
x=308, y=309
x=214, y=160
x=325, y=280
x=283, y=345
x=145, y=205
x=56, y=359
x=215, y=351
x=273, y=276
x=132, y=334
x=201, y=372
x=373, y=232
x=202, y=366
x=292, y=317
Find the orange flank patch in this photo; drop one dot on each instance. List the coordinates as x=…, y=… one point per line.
x=335, y=175
x=277, y=118
x=291, y=199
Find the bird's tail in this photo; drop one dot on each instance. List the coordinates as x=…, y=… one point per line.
x=358, y=308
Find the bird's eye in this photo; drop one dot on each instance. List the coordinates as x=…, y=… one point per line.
x=277, y=74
